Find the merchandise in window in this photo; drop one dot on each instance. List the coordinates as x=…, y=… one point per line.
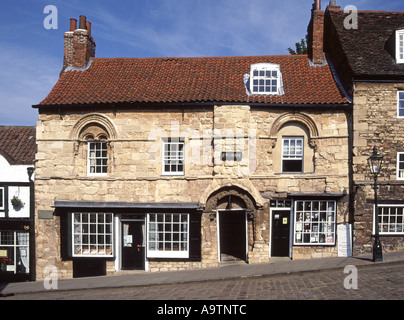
x=173, y=157
x=314, y=222
x=292, y=154
x=391, y=219
x=168, y=235
x=92, y=234
x=14, y=252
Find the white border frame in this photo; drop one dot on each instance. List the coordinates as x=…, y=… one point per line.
x=88, y=160
x=167, y=254
x=266, y=67
x=325, y=244
x=398, y=167
x=163, y=142
x=374, y=220
x=113, y=247
x=398, y=33
x=292, y=137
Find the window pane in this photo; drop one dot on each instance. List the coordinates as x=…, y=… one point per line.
x=92, y=234
x=314, y=226
x=171, y=243
x=292, y=165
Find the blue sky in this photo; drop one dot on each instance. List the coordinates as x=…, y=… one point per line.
x=31, y=56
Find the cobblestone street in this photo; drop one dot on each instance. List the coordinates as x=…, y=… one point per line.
x=374, y=282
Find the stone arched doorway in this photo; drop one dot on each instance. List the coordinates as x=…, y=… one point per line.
x=234, y=209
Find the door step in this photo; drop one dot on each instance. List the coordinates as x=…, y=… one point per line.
x=226, y=259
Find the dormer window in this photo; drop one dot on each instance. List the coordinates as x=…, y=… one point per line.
x=400, y=46
x=265, y=79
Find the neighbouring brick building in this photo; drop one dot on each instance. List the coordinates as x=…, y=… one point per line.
x=369, y=60
x=17, y=237
x=175, y=163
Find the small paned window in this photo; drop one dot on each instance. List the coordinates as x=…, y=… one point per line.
x=400, y=104
x=292, y=154
x=265, y=78
x=400, y=46
x=173, y=157
x=391, y=219
x=14, y=252
x=92, y=234
x=97, y=158
x=400, y=166
x=314, y=222
x=168, y=235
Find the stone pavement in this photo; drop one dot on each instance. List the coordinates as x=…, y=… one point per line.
x=225, y=272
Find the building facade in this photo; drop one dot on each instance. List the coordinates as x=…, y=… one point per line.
x=375, y=81
x=17, y=238
x=176, y=163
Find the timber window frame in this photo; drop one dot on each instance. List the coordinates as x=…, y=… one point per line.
x=14, y=251
x=314, y=222
x=400, y=46
x=173, y=157
x=92, y=234
x=97, y=158
x=168, y=235
x=292, y=154
x=391, y=219
x=400, y=166
x=265, y=79
x=400, y=104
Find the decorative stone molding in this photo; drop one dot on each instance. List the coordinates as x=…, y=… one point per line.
x=94, y=119
x=232, y=198
x=294, y=117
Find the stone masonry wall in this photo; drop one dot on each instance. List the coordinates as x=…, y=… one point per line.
x=135, y=172
x=376, y=124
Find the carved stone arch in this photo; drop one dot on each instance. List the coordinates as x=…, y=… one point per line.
x=232, y=198
x=301, y=118
x=97, y=120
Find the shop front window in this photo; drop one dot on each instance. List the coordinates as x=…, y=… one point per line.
x=92, y=234
x=14, y=252
x=314, y=223
x=168, y=235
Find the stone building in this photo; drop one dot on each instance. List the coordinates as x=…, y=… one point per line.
x=17, y=238
x=369, y=59
x=177, y=163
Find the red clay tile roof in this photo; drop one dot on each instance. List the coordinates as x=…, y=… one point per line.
x=18, y=144
x=182, y=80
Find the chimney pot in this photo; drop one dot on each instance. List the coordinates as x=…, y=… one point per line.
x=88, y=27
x=317, y=5
x=73, y=24
x=82, y=24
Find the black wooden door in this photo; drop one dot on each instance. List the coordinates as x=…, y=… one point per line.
x=133, y=251
x=280, y=233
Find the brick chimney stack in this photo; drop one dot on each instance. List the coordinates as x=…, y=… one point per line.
x=79, y=46
x=315, y=31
